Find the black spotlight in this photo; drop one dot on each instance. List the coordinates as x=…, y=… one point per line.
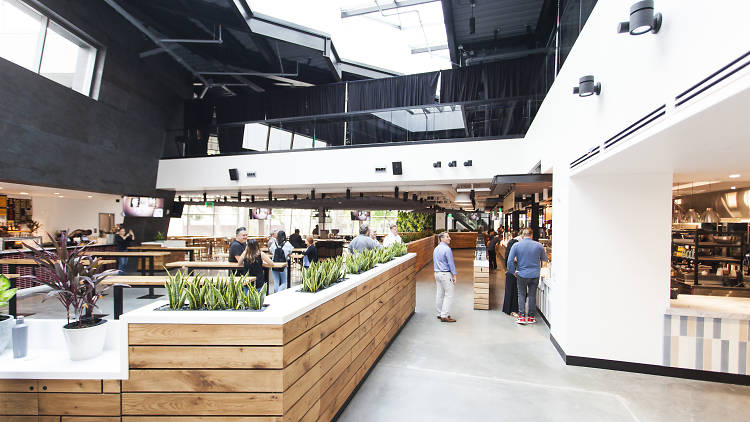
x=179, y=198
x=406, y=196
x=239, y=196
x=361, y=195
x=467, y=163
x=472, y=20
x=348, y=194
x=586, y=87
x=295, y=197
x=452, y=164
x=322, y=196
x=312, y=194
x=395, y=192
x=225, y=198
x=252, y=198
x=642, y=19
x=414, y=197
x=437, y=164
x=204, y=197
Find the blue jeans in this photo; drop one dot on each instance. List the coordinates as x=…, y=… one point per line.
x=122, y=264
x=279, y=280
x=530, y=284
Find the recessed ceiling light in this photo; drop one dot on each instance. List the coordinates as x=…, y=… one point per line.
x=734, y=176
x=23, y=193
x=90, y=196
x=734, y=187
x=56, y=193
x=61, y=196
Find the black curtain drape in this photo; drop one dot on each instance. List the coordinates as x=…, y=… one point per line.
x=399, y=91
x=461, y=84
x=240, y=109
x=314, y=100
x=198, y=117
x=230, y=138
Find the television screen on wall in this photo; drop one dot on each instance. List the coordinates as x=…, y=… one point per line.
x=260, y=213
x=360, y=215
x=142, y=206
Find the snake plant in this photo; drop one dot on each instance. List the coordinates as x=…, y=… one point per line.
x=6, y=293
x=175, y=286
x=208, y=293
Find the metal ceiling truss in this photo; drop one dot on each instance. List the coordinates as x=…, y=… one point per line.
x=348, y=13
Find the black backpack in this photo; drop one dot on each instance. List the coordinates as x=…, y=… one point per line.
x=278, y=256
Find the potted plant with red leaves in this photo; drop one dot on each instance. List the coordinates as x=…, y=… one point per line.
x=75, y=280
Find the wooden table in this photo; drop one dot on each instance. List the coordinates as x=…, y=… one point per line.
x=142, y=256
x=151, y=282
x=191, y=250
x=186, y=266
x=13, y=265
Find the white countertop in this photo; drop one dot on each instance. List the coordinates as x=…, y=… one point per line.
x=47, y=356
x=283, y=306
x=710, y=306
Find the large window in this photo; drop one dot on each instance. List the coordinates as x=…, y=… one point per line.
x=34, y=41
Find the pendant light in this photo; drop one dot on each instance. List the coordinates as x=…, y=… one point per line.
x=692, y=217
x=472, y=20
x=710, y=216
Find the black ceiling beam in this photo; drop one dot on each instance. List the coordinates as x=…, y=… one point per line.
x=546, y=23
x=450, y=32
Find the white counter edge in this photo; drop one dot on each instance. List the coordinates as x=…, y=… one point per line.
x=283, y=306
x=694, y=309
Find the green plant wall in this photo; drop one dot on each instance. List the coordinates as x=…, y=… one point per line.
x=409, y=221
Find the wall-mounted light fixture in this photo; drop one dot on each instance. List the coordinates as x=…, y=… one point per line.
x=586, y=86
x=642, y=19
x=467, y=163
x=437, y=164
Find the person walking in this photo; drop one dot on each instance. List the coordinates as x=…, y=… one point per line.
x=280, y=250
x=510, y=300
x=530, y=254
x=445, y=277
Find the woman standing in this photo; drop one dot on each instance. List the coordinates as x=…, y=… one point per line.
x=280, y=254
x=311, y=253
x=510, y=301
x=122, y=241
x=253, y=259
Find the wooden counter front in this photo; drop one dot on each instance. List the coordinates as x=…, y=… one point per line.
x=423, y=248
x=463, y=240
x=303, y=369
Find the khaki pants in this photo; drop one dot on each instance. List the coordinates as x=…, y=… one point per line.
x=444, y=295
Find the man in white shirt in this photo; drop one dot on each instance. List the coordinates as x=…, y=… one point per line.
x=393, y=237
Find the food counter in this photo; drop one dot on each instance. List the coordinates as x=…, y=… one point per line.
x=302, y=356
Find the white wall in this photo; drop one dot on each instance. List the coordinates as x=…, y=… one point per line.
x=56, y=214
x=637, y=73
x=611, y=265
x=344, y=167
x=612, y=227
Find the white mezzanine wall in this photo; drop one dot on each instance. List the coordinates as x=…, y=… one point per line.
x=612, y=226
x=350, y=166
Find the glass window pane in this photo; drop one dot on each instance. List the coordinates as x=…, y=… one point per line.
x=201, y=225
x=254, y=137
x=279, y=140
x=21, y=30
x=302, y=142
x=67, y=60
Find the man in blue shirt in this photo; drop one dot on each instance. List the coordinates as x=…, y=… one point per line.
x=445, y=276
x=529, y=254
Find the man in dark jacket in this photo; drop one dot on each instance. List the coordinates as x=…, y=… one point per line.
x=296, y=240
x=491, y=248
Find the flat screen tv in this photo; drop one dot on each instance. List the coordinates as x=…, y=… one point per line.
x=260, y=213
x=176, y=209
x=360, y=215
x=142, y=206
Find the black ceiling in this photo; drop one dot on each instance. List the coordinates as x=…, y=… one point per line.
x=504, y=28
x=268, y=48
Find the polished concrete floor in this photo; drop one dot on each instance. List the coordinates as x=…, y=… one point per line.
x=486, y=368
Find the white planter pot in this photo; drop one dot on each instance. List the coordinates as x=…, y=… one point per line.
x=6, y=327
x=85, y=343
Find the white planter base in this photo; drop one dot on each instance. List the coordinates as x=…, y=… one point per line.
x=85, y=343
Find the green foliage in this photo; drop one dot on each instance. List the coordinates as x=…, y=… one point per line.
x=6, y=293
x=399, y=249
x=206, y=293
x=410, y=237
x=159, y=236
x=409, y=221
x=320, y=275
